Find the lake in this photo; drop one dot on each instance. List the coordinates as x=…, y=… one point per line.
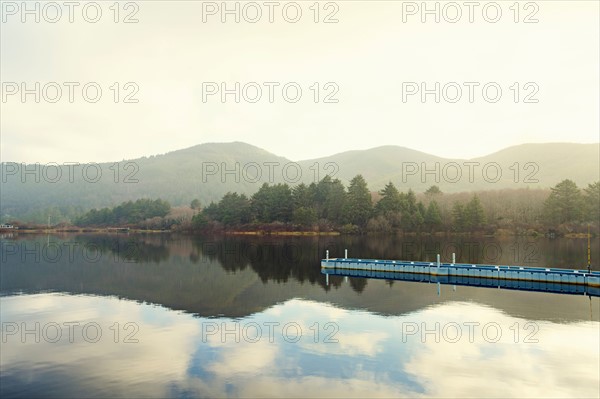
x=178, y=316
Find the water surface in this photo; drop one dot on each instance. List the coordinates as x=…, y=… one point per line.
x=176, y=316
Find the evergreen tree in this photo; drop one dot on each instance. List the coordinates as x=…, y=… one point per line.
x=272, y=203
x=303, y=196
x=458, y=216
x=282, y=203
x=433, y=191
x=474, y=216
x=358, y=207
x=126, y=213
x=564, y=204
x=418, y=218
x=410, y=218
x=433, y=217
x=592, y=202
x=335, y=202
x=234, y=209
x=304, y=216
x=200, y=220
x=320, y=192
x=211, y=211
x=390, y=200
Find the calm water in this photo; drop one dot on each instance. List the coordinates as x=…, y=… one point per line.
x=156, y=316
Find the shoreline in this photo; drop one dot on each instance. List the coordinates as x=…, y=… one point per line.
x=310, y=233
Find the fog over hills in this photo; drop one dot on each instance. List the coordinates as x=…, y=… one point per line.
x=534, y=165
x=208, y=171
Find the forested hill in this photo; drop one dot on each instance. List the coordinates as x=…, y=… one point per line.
x=208, y=171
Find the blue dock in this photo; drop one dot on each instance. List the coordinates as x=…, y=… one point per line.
x=510, y=277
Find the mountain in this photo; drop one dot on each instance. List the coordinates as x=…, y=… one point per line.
x=556, y=161
x=377, y=165
x=208, y=171
x=526, y=165
x=177, y=176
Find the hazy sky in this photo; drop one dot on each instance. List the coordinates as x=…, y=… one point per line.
x=368, y=61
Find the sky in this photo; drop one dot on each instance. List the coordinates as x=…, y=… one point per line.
x=353, y=79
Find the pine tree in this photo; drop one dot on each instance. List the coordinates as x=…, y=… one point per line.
x=474, y=216
x=335, y=202
x=433, y=217
x=564, y=204
x=458, y=216
x=302, y=196
x=358, y=207
x=433, y=191
x=305, y=217
x=390, y=200
x=592, y=202
x=234, y=209
x=410, y=208
x=418, y=217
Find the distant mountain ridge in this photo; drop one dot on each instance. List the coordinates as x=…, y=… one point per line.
x=534, y=165
x=208, y=171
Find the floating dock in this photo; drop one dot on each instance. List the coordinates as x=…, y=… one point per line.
x=511, y=277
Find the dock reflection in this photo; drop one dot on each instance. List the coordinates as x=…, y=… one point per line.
x=520, y=285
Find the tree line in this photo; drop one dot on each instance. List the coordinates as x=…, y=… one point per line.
x=127, y=213
x=329, y=205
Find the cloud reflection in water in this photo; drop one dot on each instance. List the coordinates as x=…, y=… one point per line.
x=375, y=356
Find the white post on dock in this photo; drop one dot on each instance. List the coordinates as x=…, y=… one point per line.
x=453, y=258
x=327, y=254
x=345, y=254
x=327, y=279
x=438, y=260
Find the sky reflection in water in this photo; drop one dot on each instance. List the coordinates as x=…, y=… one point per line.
x=178, y=354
